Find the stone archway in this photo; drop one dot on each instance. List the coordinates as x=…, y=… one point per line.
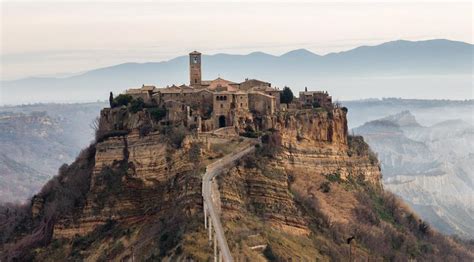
x=222, y=121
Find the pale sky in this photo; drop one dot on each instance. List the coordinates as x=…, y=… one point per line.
x=56, y=37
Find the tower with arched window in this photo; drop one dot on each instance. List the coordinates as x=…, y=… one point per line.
x=195, y=69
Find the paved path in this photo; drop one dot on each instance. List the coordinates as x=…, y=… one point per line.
x=212, y=171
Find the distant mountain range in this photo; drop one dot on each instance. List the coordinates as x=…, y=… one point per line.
x=428, y=69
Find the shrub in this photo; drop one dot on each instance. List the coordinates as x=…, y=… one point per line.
x=335, y=177
x=325, y=187
x=271, y=144
x=122, y=100
x=358, y=147
x=157, y=113
x=174, y=135
x=145, y=129
x=269, y=254
x=62, y=195
x=195, y=153
x=250, y=132
x=424, y=228
x=137, y=105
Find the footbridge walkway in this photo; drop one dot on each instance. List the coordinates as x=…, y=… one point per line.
x=212, y=220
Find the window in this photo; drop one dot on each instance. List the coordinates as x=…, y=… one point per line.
x=195, y=81
x=222, y=106
x=240, y=104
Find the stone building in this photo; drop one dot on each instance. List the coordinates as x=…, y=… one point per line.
x=211, y=104
x=316, y=98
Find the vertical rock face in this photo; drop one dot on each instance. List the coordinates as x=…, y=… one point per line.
x=134, y=176
x=314, y=145
x=318, y=141
x=314, y=129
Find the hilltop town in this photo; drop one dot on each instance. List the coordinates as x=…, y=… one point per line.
x=206, y=105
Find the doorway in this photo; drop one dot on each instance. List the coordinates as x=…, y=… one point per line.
x=222, y=121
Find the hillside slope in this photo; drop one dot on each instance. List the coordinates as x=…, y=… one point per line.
x=136, y=193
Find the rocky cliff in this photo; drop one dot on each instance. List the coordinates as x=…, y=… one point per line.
x=136, y=192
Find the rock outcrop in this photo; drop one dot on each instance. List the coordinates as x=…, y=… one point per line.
x=314, y=144
x=298, y=197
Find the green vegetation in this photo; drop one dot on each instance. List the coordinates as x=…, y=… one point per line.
x=268, y=253
x=250, y=132
x=334, y=177
x=358, y=147
x=157, y=113
x=174, y=135
x=111, y=99
x=286, y=96
x=62, y=196
x=137, y=105
x=122, y=100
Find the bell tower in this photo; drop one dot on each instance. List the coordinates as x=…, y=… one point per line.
x=195, y=69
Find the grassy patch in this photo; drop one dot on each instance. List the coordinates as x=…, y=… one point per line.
x=334, y=177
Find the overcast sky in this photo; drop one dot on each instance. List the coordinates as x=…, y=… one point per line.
x=52, y=37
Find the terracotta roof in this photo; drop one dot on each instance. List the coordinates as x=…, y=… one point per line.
x=222, y=83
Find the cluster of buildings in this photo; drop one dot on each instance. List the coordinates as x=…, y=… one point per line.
x=212, y=104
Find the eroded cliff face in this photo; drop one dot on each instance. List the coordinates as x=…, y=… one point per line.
x=306, y=189
x=134, y=176
x=318, y=142
x=265, y=192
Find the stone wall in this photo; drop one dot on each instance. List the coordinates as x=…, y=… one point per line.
x=261, y=104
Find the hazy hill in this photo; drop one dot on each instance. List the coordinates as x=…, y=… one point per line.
x=398, y=68
x=35, y=140
x=430, y=167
